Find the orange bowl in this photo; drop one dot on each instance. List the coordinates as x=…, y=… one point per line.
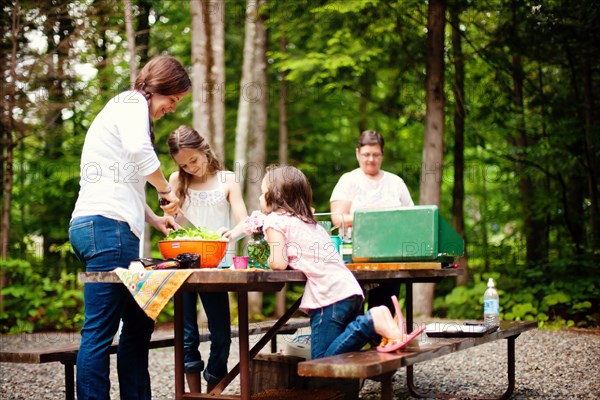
x=211, y=252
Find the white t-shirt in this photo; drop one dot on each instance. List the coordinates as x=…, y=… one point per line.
x=310, y=250
x=117, y=156
x=355, y=186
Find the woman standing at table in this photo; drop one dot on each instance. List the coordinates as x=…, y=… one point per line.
x=117, y=160
x=209, y=194
x=369, y=187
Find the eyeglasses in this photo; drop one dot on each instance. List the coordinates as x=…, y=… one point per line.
x=366, y=156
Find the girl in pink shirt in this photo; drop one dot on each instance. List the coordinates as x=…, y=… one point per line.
x=332, y=296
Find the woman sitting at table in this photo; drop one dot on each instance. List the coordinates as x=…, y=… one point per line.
x=332, y=296
x=369, y=187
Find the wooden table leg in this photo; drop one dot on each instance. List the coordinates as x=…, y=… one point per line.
x=409, y=324
x=69, y=380
x=244, y=345
x=235, y=371
x=409, y=307
x=387, y=386
x=178, y=333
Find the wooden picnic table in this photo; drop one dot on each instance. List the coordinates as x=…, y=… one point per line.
x=244, y=281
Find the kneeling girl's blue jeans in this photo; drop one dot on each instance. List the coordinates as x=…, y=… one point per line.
x=338, y=328
x=103, y=244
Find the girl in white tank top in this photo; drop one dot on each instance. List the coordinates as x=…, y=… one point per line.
x=209, y=195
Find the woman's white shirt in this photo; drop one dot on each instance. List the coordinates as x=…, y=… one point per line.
x=117, y=156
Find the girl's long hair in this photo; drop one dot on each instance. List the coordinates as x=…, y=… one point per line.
x=163, y=75
x=289, y=191
x=186, y=137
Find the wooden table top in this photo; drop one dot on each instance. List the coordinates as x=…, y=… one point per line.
x=214, y=279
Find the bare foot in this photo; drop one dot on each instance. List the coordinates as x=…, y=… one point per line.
x=384, y=323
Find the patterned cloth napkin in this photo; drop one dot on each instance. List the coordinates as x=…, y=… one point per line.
x=152, y=289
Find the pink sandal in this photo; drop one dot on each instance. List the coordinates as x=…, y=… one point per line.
x=387, y=344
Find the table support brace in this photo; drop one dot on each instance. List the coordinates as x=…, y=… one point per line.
x=258, y=346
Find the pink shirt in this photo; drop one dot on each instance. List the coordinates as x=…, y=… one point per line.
x=310, y=250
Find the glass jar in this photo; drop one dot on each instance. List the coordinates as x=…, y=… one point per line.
x=258, y=251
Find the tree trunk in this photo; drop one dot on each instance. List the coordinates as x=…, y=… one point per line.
x=365, y=82
x=244, y=110
x=591, y=151
x=208, y=72
x=130, y=41
x=458, y=192
x=102, y=15
x=200, y=67
x=433, y=145
x=283, y=118
x=573, y=196
x=487, y=261
x=142, y=37
x=58, y=30
x=535, y=230
x=217, y=75
x=283, y=152
x=9, y=145
x=258, y=130
x=8, y=128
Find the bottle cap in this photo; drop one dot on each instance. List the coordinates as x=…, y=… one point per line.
x=490, y=282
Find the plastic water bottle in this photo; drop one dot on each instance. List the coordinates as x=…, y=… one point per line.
x=491, y=305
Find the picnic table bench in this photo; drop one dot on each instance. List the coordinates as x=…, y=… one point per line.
x=66, y=353
x=382, y=366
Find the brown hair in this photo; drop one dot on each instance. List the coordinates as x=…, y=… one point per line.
x=370, y=137
x=163, y=75
x=186, y=137
x=290, y=191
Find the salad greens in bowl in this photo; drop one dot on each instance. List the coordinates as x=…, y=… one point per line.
x=209, y=245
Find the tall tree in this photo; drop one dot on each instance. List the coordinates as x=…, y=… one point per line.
x=58, y=30
x=536, y=233
x=458, y=88
x=130, y=41
x=217, y=75
x=591, y=149
x=282, y=149
x=8, y=129
x=208, y=72
x=200, y=68
x=257, y=96
x=433, y=145
x=242, y=130
x=283, y=115
x=142, y=36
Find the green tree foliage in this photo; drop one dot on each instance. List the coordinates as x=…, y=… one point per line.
x=351, y=65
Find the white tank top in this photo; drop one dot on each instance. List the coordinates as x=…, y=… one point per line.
x=210, y=209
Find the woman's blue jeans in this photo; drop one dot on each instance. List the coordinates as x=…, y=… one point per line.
x=216, y=306
x=339, y=328
x=103, y=244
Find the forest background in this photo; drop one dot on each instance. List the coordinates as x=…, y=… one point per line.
x=487, y=107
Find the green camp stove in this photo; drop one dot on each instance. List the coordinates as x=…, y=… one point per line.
x=416, y=233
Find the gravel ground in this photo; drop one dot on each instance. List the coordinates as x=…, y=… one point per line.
x=549, y=365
